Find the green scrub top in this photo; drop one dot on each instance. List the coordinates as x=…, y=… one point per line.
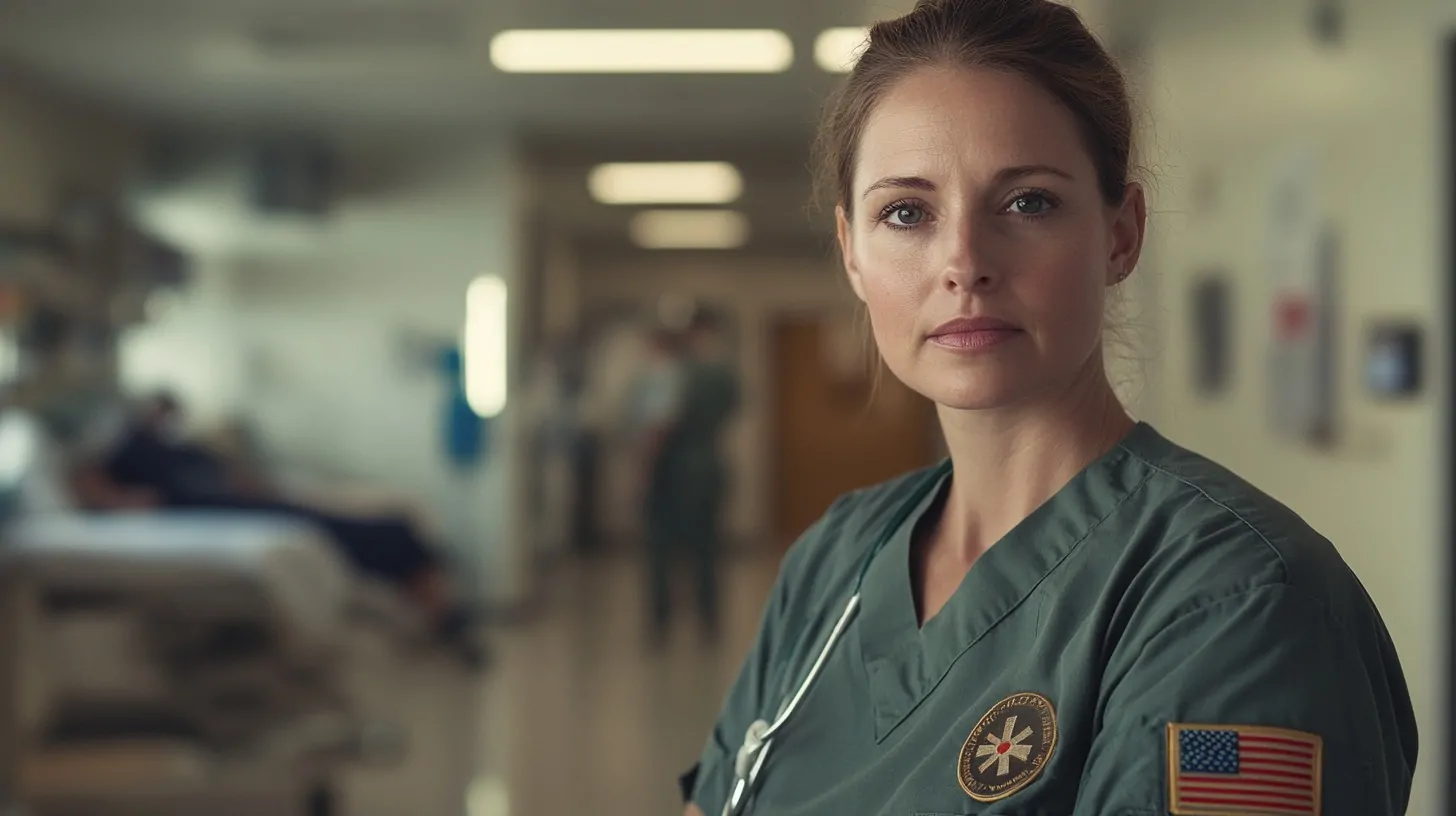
x=707, y=398
x=690, y=477
x=1159, y=637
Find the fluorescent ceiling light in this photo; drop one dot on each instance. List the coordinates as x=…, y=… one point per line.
x=837, y=49
x=643, y=51
x=689, y=229
x=665, y=183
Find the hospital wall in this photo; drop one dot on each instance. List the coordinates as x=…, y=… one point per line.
x=1231, y=86
x=190, y=345
x=327, y=344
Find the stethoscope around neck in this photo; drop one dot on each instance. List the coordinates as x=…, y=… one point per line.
x=759, y=738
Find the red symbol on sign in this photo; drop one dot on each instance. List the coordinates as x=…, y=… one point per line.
x=1292, y=318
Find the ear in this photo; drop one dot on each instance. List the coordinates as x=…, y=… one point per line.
x=846, y=251
x=1129, y=228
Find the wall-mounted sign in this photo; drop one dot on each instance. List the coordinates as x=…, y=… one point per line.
x=1302, y=267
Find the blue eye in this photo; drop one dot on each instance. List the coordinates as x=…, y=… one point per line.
x=904, y=215
x=1031, y=204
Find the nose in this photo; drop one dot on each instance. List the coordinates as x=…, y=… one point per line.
x=968, y=267
x=960, y=278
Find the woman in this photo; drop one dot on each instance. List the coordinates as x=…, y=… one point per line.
x=1073, y=615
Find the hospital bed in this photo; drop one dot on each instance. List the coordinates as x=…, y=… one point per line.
x=182, y=663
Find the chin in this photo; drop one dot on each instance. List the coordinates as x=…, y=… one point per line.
x=973, y=391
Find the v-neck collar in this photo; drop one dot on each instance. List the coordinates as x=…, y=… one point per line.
x=905, y=661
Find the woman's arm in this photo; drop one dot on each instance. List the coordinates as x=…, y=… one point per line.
x=1258, y=702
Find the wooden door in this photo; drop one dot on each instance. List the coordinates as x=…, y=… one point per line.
x=829, y=437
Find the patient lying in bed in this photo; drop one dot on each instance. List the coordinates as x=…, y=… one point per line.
x=143, y=463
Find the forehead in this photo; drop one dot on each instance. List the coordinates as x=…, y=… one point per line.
x=942, y=120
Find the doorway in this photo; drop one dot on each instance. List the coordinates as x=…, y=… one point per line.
x=833, y=434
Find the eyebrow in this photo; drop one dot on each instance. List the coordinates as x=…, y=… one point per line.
x=1002, y=177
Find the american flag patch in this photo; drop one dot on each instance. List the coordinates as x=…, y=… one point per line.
x=1228, y=769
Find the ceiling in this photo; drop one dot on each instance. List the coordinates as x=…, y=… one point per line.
x=409, y=66
x=407, y=74
x=412, y=72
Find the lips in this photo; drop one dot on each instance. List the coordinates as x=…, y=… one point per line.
x=967, y=325
x=974, y=333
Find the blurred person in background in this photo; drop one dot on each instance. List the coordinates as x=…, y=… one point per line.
x=1072, y=614
x=145, y=462
x=655, y=404
x=690, y=394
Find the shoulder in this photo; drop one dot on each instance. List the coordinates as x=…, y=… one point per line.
x=1219, y=578
x=1203, y=533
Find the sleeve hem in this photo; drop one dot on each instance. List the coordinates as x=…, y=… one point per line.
x=687, y=782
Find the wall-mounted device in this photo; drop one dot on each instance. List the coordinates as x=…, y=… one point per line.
x=1393, y=360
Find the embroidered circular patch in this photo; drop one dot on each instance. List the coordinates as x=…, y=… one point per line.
x=1008, y=748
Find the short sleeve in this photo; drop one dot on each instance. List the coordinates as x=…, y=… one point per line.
x=687, y=782
x=1268, y=662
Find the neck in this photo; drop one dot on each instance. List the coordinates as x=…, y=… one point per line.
x=1007, y=462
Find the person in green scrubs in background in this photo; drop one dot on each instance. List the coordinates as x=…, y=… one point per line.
x=1073, y=614
x=698, y=396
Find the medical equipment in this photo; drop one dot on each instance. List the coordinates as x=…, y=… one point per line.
x=759, y=738
x=181, y=647
x=165, y=656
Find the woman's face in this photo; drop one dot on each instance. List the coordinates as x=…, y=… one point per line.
x=979, y=239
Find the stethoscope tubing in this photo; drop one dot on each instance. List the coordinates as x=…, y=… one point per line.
x=757, y=741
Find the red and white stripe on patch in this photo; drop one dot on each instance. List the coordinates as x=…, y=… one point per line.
x=1243, y=769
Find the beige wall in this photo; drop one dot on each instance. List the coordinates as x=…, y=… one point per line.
x=1231, y=85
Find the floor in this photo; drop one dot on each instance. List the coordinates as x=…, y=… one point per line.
x=578, y=715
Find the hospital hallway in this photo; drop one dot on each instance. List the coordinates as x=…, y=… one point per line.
x=329, y=328
x=576, y=715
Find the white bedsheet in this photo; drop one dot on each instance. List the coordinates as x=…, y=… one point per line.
x=191, y=557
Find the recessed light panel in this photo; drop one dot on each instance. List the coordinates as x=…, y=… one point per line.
x=642, y=51
x=665, y=183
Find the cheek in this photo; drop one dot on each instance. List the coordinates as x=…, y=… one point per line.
x=1066, y=293
x=896, y=283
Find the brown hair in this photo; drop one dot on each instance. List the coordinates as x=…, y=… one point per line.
x=1041, y=40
